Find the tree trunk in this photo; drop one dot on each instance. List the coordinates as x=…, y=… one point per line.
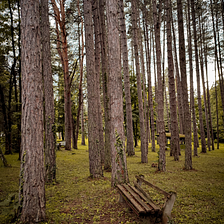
x=105, y=80
x=62, y=42
x=187, y=117
x=203, y=144
x=82, y=123
x=144, y=158
x=130, y=141
x=93, y=130
x=50, y=160
x=117, y=138
x=160, y=101
x=174, y=146
x=178, y=83
x=217, y=111
x=191, y=82
x=97, y=67
x=150, y=100
x=31, y=189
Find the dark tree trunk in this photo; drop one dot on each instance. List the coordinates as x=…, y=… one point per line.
x=174, y=146
x=50, y=160
x=130, y=142
x=187, y=117
x=144, y=158
x=217, y=112
x=191, y=82
x=31, y=189
x=203, y=144
x=160, y=101
x=93, y=131
x=105, y=80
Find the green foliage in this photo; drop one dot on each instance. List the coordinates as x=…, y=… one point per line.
x=76, y=198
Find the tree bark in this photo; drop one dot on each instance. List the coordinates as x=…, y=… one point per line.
x=191, y=82
x=50, y=160
x=31, y=190
x=117, y=138
x=105, y=80
x=150, y=100
x=174, y=146
x=217, y=112
x=203, y=144
x=63, y=53
x=93, y=130
x=144, y=158
x=124, y=49
x=187, y=117
x=160, y=101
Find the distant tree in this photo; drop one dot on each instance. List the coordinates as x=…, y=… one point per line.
x=31, y=189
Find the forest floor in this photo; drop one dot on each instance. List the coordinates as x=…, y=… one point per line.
x=76, y=198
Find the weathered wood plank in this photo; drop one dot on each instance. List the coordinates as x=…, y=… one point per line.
x=149, y=200
x=137, y=198
x=128, y=196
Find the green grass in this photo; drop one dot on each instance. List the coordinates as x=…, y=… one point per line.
x=76, y=198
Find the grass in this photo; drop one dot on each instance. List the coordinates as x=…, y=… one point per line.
x=76, y=198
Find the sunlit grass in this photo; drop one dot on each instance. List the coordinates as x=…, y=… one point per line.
x=76, y=198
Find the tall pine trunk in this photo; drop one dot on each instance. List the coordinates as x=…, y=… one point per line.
x=160, y=101
x=174, y=146
x=187, y=117
x=124, y=49
x=203, y=144
x=93, y=130
x=31, y=189
x=50, y=160
x=144, y=158
x=117, y=138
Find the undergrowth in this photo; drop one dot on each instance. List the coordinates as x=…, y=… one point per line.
x=77, y=198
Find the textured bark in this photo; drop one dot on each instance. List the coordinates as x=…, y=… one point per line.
x=217, y=112
x=178, y=83
x=124, y=49
x=191, y=82
x=150, y=100
x=93, y=130
x=187, y=117
x=208, y=97
x=31, y=190
x=203, y=86
x=143, y=82
x=82, y=124
x=97, y=67
x=203, y=144
x=144, y=158
x=173, y=107
x=117, y=138
x=62, y=47
x=50, y=160
x=105, y=80
x=160, y=101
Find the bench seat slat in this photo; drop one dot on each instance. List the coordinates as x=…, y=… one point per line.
x=137, y=198
x=128, y=196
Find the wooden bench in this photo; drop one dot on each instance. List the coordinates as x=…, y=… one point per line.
x=59, y=144
x=141, y=203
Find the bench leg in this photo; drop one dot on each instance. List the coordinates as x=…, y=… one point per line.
x=121, y=199
x=168, y=208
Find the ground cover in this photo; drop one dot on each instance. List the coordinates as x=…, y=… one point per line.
x=76, y=198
